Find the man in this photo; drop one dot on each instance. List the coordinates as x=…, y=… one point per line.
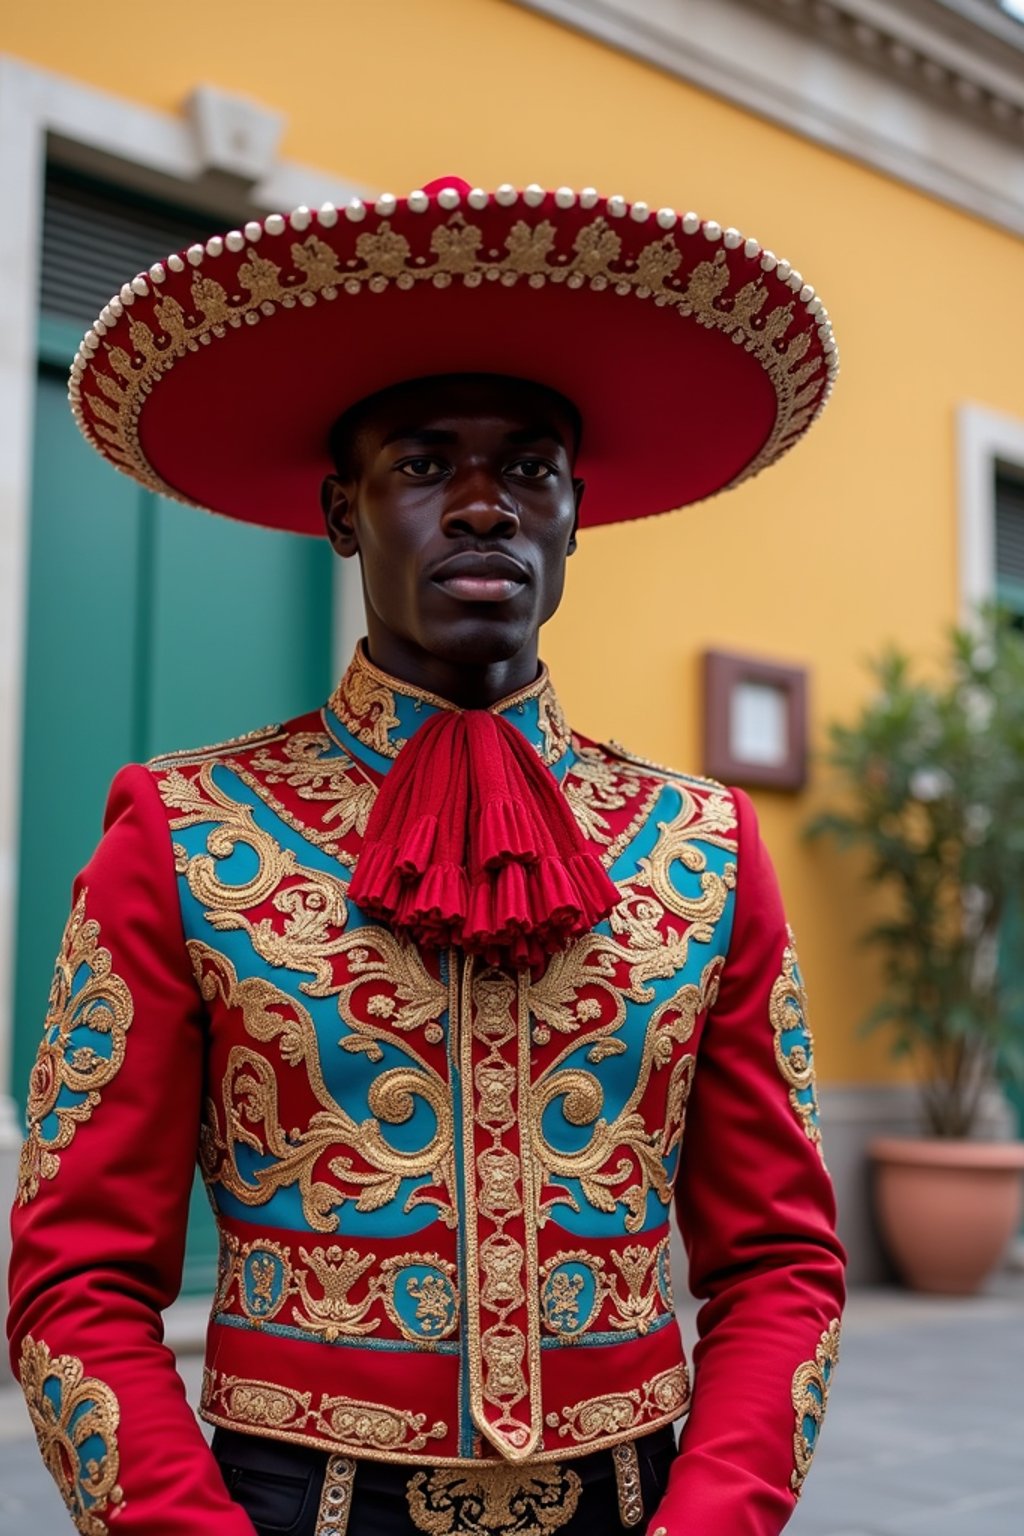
x=453, y=1002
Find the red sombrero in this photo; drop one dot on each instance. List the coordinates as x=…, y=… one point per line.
x=694, y=357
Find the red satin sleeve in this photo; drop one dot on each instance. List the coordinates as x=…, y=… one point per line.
x=106, y=1171
x=757, y=1215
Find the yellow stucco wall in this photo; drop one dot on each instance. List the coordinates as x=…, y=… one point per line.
x=852, y=540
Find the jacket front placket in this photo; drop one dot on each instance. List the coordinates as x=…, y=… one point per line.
x=499, y=1210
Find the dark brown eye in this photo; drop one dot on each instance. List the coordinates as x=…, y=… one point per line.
x=421, y=469
x=533, y=469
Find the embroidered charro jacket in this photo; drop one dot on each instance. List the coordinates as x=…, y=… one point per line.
x=442, y=1188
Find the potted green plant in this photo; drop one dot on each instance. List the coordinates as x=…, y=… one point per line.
x=932, y=783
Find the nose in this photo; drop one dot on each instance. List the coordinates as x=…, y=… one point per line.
x=479, y=505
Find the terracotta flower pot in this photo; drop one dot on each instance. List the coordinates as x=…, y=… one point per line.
x=947, y=1209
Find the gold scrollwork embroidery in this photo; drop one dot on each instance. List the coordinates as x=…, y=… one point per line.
x=310, y=904
x=197, y=799
x=87, y=998
x=259, y=1403
x=794, y=1050
x=572, y=1287
x=364, y=702
x=575, y=1284
x=376, y=1429
x=75, y=1418
x=332, y=1314
x=332, y=1141
x=386, y=1433
x=264, y=1277
x=322, y=777
x=637, y=1306
x=662, y=1398
x=709, y=820
x=228, y=1254
x=811, y=1384
x=595, y=785
x=425, y=1283
x=482, y=1500
x=714, y=294
x=417, y=1290
x=672, y=1025
x=582, y=994
x=553, y=727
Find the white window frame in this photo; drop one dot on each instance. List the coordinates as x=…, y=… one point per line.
x=986, y=439
x=39, y=112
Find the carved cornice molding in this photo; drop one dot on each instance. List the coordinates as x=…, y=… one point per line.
x=969, y=54
x=930, y=91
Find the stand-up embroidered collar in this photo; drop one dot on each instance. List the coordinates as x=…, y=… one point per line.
x=382, y=712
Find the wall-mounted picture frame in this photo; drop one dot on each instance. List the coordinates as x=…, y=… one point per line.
x=755, y=721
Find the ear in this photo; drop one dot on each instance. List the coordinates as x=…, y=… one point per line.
x=578, y=488
x=337, y=505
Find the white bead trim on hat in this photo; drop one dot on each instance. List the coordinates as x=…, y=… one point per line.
x=801, y=394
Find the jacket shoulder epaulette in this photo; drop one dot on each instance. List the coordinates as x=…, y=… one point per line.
x=617, y=750
x=187, y=756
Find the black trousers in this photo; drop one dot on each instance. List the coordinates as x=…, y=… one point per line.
x=279, y=1486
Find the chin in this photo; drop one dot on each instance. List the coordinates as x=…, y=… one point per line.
x=478, y=643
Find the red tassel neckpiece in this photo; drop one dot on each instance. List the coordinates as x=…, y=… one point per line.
x=470, y=843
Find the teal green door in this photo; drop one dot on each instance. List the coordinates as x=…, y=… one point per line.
x=151, y=626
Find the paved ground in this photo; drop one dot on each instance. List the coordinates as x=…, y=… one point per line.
x=924, y=1434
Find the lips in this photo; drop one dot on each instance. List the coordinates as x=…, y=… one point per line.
x=491, y=577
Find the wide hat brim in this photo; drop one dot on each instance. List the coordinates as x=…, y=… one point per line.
x=694, y=357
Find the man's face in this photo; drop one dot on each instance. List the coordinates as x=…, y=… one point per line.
x=458, y=496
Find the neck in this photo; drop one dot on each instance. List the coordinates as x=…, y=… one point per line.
x=468, y=684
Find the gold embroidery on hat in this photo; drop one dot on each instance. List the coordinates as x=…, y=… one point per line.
x=712, y=294
x=489, y=1498
x=87, y=998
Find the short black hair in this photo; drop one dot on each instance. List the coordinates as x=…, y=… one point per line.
x=342, y=438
